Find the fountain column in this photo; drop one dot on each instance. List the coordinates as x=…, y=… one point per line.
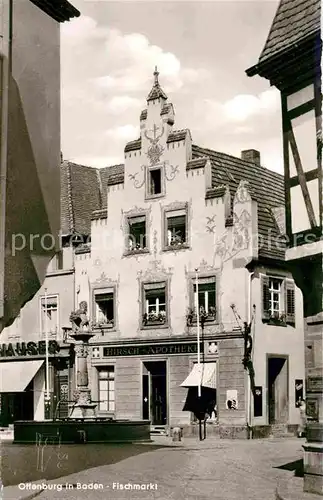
x=83, y=407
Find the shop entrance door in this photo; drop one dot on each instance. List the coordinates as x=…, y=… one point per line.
x=154, y=392
x=278, y=390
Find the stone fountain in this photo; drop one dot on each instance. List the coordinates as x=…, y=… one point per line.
x=81, y=333
x=83, y=424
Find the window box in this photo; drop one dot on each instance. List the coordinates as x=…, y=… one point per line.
x=278, y=301
x=205, y=317
x=155, y=304
x=103, y=326
x=154, y=318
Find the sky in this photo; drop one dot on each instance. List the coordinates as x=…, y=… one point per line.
x=201, y=49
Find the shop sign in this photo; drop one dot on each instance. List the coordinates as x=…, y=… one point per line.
x=151, y=350
x=28, y=349
x=315, y=384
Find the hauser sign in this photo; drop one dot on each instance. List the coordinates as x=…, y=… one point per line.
x=28, y=348
x=148, y=350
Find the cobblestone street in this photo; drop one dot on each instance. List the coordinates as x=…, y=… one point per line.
x=212, y=469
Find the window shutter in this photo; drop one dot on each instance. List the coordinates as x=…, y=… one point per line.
x=290, y=301
x=265, y=297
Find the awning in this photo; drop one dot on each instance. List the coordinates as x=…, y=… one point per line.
x=16, y=375
x=203, y=374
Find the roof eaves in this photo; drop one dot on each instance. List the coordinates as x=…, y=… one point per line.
x=133, y=145
x=60, y=11
x=70, y=199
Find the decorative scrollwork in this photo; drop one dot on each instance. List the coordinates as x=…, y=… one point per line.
x=136, y=182
x=173, y=172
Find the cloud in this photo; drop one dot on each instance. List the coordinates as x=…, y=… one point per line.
x=107, y=74
x=244, y=106
x=123, y=132
x=123, y=103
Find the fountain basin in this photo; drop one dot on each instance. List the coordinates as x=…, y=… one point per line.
x=80, y=431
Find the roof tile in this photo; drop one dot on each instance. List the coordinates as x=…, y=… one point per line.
x=294, y=20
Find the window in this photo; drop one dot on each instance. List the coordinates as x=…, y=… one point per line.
x=206, y=300
x=49, y=314
x=278, y=300
x=275, y=302
x=104, y=309
x=137, y=233
x=58, y=261
x=155, y=181
x=155, y=310
x=106, y=389
x=176, y=234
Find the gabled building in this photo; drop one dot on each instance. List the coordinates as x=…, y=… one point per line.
x=175, y=216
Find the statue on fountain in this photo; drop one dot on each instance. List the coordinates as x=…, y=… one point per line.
x=80, y=321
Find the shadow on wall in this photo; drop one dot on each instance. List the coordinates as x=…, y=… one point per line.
x=26, y=213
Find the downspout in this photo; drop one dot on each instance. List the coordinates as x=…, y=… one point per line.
x=249, y=316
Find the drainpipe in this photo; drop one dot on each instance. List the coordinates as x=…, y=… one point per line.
x=249, y=316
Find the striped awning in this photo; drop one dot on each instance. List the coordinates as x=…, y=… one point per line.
x=203, y=374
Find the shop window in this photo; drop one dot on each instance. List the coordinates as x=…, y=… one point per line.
x=49, y=315
x=206, y=303
x=104, y=309
x=176, y=229
x=137, y=234
x=106, y=389
x=155, y=310
x=278, y=301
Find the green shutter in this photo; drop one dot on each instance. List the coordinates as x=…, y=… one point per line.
x=265, y=298
x=290, y=301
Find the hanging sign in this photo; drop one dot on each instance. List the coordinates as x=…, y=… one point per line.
x=299, y=391
x=28, y=349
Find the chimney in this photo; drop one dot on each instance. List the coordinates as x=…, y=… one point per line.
x=251, y=155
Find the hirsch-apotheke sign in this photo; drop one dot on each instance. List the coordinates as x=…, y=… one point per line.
x=28, y=349
x=151, y=350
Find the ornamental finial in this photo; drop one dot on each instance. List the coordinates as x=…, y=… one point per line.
x=156, y=74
